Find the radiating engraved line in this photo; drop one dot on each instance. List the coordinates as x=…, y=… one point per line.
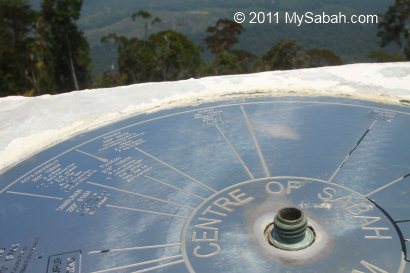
x=132, y=248
x=234, y=151
x=138, y=264
x=174, y=187
x=140, y=195
x=255, y=141
x=158, y=266
x=93, y=156
x=388, y=185
x=351, y=151
x=147, y=211
x=175, y=169
x=35, y=195
x=80, y=262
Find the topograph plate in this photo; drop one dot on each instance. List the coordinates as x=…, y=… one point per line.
x=193, y=190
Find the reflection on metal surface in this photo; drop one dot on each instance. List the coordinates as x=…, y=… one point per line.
x=194, y=190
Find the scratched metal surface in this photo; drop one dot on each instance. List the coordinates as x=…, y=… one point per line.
x=193, y=189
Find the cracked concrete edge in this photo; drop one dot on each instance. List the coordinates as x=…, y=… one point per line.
x=24, y=147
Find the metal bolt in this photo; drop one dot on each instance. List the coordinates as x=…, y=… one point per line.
x=290, y=230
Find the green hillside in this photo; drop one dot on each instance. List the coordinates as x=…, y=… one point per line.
x=352, y=42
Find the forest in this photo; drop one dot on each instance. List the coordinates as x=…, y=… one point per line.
x=44, y=51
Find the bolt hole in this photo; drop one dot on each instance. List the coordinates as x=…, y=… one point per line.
x=290, y=214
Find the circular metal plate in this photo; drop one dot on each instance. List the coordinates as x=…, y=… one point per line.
x=194, y=190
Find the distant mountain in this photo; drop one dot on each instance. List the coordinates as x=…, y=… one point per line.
x=353, y=42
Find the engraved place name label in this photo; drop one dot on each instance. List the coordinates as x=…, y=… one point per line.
x=65, y=263
x=210, y=117
x=121, y=141
x=66, y=177
x=358, y=209
x=16, y=257
x=127, y=169
x=205, y=233
x=275, y=187
x=83, y=202
x=380, y=114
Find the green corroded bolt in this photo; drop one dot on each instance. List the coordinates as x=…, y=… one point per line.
x=290, y=230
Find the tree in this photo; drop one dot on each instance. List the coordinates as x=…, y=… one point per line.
x=108, y=79
x=223, y=35
x=226, y=63
x=286, y=54
x=231, y=62
x=220, y=41
x=42, y=76
x=136, y=59
x=384, y=57
x=166, y=55
x=322, y=57
x=395, y=26
x=69, y=47
x=245, y=59
x=16, y=24
x=146, y=16
x=176, y=56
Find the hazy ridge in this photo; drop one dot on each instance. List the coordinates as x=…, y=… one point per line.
x=352, y=43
